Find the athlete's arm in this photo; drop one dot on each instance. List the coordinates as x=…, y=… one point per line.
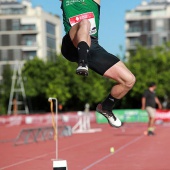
x=158, y=102
x=97, y=1
x=143, y=103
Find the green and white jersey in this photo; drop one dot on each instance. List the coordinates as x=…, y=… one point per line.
x=76, y=10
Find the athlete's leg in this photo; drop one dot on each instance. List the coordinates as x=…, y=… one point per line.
x=149, y=122
x=80, y=37
x=80, y=32
x=125, y=81
x=124, y=78
x=151, y=127
x=110, y=66
x=152, y=120
x=151, y=115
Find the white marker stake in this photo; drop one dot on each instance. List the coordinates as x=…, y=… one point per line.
x=60, y=165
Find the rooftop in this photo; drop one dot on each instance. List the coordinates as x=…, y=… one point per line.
x=12, y=2
x=155, y=2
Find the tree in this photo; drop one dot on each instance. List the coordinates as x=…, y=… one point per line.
x=58, y=79
x=5, y=88
x=149, y=65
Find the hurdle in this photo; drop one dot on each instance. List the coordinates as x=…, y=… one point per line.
x=83, y=125
x=57, y=164
x=35, y=135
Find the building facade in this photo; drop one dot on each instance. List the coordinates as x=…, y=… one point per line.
x=26, y=32
x=148, y=24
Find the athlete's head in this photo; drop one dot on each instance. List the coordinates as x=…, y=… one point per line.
x=152, y=85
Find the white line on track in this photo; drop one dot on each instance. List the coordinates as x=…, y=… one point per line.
x=109, y=155
x=47, y=154
x=27, y=160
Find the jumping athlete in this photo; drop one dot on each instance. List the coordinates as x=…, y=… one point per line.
x=80, y=44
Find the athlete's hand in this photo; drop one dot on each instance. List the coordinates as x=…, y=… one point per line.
x=160, y=106
x=143, y=108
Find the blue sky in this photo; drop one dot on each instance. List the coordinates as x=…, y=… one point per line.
x=112, y=20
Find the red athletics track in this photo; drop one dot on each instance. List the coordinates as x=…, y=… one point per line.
x=133, y=150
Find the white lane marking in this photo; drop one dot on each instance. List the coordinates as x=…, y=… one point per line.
x=44, y=155
x=109, y=155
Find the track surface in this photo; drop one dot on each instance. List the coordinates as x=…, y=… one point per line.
x=133, y=150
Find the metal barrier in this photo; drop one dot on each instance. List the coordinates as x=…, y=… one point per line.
x=32, y=135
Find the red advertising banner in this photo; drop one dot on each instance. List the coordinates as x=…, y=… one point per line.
x=42, y=119
x=163, y=115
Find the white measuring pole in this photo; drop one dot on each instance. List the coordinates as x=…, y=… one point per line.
x=57, y=164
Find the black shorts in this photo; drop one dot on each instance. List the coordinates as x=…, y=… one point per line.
x=99, y=60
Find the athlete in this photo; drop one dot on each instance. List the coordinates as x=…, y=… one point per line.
x=149, y=101
x=80, y=44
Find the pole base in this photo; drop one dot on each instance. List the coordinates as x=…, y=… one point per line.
x=60, y=165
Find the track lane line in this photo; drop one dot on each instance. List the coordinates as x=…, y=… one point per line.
x=111, y=154
x=44, y=155
x=27, y=160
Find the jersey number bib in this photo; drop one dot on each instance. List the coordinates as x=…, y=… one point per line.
x=90, y=16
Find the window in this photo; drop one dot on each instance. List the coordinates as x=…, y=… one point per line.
x=4, y=55
x=51, y=55
x=51, y=43
x=6, y=11
x=29, y=40
x=162, y=40
x=9, y=11
x=159, y=25
x=50, y=28
x=146, y=13
x=0, y=56
x=146, y=25
x=5, y=40
x=149, y=40
x=28, y=27
x=3, y=25
x=10, y=54
x=134, y=27
x=15, y=24
x=134, y=41
x=29, y=55
x=17, y=10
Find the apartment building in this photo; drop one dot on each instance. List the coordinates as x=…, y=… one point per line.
x=26, y=32
x=148, y=24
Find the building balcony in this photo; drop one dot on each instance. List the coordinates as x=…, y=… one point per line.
x=19, y=32
x=12, y=9
x=29, y=43
x=30, y=47
x=20, y=47
x=133, y=34
x=134, y=29
x=138, y=15
x=130, y=48
x=28, y=27
x=29, y=55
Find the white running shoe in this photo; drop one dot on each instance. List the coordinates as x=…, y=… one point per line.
x=82, y=69
x=112, y=119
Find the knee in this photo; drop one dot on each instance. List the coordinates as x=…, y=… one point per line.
x=85, y=23
x=131, y=81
